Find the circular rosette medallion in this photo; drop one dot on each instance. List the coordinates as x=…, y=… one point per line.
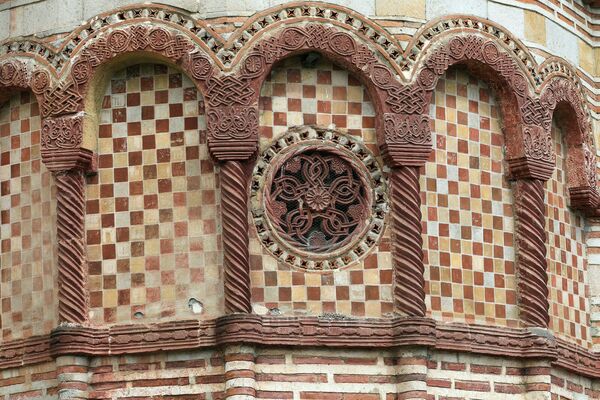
x=318, y=201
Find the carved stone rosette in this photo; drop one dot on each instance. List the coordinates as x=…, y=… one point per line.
x=62, y=153
x=531, y=252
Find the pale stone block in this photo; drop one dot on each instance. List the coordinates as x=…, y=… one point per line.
x=4, y=24
x=511, y=18
x=586, y=57
x=220, y=8
x=438, y=8
x=50, y=16
x=561, y=42
x=412, y=8
x=535, y=27
x=594, y=279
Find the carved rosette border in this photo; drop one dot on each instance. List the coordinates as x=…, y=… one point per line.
x=18, y=74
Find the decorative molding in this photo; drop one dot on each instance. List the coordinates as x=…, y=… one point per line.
x=299, y=332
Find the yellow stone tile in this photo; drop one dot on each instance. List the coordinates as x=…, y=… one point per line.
x=167, y=293
x=137, y=265
x=312, y=279
x=354, y=93
x=109, y=298
x=535, y=27
x=298, y=293
x=586, y=57
x=284, y=278
x=373, y=309
x=412, y=8
x=161, y=82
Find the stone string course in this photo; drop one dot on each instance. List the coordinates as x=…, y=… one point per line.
x=138, y=149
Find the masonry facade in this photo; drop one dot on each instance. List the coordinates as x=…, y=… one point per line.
x=307, y=201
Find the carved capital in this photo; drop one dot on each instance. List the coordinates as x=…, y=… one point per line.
x=537, y=156
x=407, y=139
x=62, y=138
x=232, y=132
x=583, y=190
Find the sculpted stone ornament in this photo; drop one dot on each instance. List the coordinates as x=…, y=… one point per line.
x=62, y=133
x=317, y=201
x=407, y=128
x=317, y=205
x=538, y=144
x=232, y=132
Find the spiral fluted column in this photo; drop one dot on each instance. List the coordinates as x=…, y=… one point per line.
x=73, y=299
x=407, y=243
x=531, y=252
x=67, y=160
x=234, y=204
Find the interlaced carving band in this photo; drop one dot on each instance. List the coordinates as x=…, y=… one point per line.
x=317, y=201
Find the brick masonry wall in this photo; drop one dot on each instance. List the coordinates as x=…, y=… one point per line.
x=566, y=255
x=467, y=209
x=325, y=95
x=184, y=375
x=27, y=224
x=152, y=160
x=36, y=382
x=154, y=244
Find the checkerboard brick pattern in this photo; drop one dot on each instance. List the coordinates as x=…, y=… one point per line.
x=28, y=223
x=467, y=208
x=322, y=95
x=566, y=254
x=154, y=239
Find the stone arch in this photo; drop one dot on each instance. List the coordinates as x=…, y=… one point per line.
x=488, y=60
x=388, y=94
x=437, y=29
x=18, y=74
x=386, y=46
x=124, y=45
x=562, y=99
x=529, y=151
